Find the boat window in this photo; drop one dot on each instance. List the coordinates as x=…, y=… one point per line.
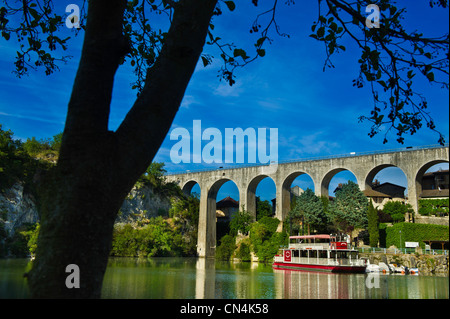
x=313, y=253
x=295, y=253
x=322, y=254
x=342, y=254
x=304, y=253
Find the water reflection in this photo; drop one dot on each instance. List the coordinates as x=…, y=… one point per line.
x=316, y=285
x=189, y=278
x=205, y=275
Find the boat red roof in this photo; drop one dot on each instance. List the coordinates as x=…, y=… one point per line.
x=324, y=236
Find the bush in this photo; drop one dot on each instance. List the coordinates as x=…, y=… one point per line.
x=243, y=251
x=438, y=207
x=265, y=240
x=226, y=247
x=259, y=233
x=269, y=248
x=415, y=232
x=397, y=210
x=382, y=231
x=155, y=239
x=240, y=222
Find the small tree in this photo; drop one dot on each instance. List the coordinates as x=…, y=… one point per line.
x=240, y=222
x=397, y=210
x=308, y=210
x=263, y=208
x=372, y=217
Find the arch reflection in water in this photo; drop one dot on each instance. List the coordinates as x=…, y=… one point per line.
x=204, y=278
x=316, y=285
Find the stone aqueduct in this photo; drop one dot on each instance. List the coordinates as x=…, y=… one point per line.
x=414, y=162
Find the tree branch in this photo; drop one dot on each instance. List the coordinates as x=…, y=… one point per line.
x=147, y=123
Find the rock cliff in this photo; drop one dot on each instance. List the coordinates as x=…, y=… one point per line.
x=18, y=207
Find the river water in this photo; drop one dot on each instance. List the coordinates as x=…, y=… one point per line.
x=186, y=278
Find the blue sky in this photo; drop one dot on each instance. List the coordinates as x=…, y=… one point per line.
x=316, y=112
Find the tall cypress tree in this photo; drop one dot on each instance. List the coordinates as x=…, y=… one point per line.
x=372, y=217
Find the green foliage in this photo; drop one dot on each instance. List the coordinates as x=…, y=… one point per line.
x=415, y=232
x=311, y=207
x=349, y=210
x=397, y=210
x=243, y=251
x=154, y=177
x=31, y=236
x=11, y=158
x=263, y=208
x=240, y=222
x=259, y=233
x=265, y=240
x=226, y=248
x=437, y=207
x=372, y=218
x=16, y=164
x=42, y=148
x=382, y=231
x=23, y=242
x=185, y=208
x=155, y=239
x=308, y=209
x=270, y=247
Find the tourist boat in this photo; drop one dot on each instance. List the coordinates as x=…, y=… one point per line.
x=319, y=253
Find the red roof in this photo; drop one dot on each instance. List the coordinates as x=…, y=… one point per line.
x=227, y=202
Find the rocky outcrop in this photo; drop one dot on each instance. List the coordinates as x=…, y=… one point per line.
x=17, y=207
x=143, y=202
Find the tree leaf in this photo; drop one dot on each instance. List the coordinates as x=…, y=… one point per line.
x=205, y=61
x=241, y=53
x=230, y=4
x=320, y=32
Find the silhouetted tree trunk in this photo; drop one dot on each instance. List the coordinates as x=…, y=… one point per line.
x=97, y=168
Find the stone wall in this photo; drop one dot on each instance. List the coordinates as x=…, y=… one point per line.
x=427, y=264
x=432, y=220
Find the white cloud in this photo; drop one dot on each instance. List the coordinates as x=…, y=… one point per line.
x=188, y=100
x=224, y=89
x=312, y=144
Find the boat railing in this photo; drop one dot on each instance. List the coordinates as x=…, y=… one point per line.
x=323, y=261
x=401, y=251
x=318, y=246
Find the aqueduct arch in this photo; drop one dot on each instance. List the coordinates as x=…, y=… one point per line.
x=412, y=161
